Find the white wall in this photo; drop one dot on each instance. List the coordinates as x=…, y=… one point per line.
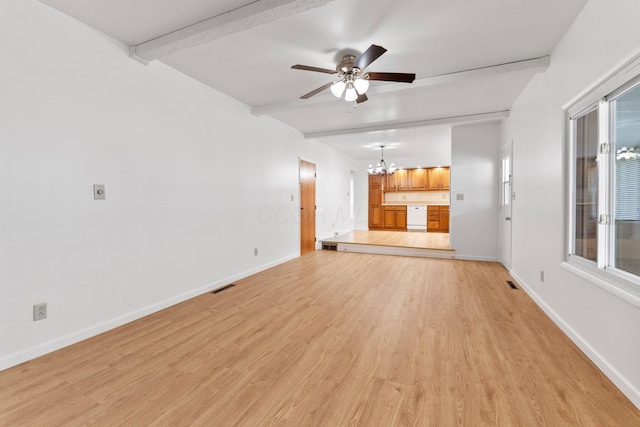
x=474, y=173
x=194, y=183
x=604, y=36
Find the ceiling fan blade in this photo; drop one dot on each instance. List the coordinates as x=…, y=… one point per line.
x=393, y=77
x=374, y=52
x=316, y=91
x=361, y=98
x=316, y=69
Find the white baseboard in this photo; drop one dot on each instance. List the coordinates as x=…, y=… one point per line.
x=77, y=336
x=476, y=258
x=607, y=369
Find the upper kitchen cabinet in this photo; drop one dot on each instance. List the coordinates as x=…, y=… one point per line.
x=398, y=181
x=417, y=179
x=438, y=179
x=429, y=179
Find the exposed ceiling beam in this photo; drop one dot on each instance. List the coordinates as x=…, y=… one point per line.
x=539, y=64
x=257, y=13
x=496, y=115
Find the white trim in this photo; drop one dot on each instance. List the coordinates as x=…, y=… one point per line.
x=72, y=338
x=625, y=386
x=490, y=116
x=608, y=84
x=477, y=258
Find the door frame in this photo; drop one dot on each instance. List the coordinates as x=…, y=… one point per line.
x=506, y=225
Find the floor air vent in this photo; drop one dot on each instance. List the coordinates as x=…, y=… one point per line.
x=511, y=284
x=224, y=288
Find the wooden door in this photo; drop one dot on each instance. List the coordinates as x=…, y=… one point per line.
x=307, y=207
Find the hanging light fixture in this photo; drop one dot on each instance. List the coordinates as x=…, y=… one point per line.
x=381, y=167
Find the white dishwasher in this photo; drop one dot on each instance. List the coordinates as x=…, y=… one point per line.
x=417, y=217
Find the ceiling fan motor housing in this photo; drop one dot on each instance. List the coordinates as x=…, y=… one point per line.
x=345, y=68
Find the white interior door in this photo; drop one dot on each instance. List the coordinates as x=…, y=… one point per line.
x=506, y=200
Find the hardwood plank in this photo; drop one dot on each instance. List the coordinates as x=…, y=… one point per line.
x=328, y=339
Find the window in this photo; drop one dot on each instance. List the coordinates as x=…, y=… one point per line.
x=506, y=180
x=625, y=117
x=605, y=183
x=586, y=186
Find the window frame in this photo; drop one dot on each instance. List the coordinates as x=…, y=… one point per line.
x=602, y=273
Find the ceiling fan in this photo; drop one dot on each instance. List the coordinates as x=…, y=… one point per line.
x=353, y=81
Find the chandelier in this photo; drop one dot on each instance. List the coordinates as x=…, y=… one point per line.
x=352, y=82
x=381, y=168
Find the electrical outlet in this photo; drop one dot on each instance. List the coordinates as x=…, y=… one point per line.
x=255, y=251
x=99, y=192
x=39, y=311
x=541, y=276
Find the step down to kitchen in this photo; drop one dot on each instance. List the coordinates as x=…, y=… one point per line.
x=395, y=250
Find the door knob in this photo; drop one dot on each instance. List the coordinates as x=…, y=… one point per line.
x=507, y=218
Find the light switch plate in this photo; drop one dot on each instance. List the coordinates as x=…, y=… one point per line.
x=99, y=192
x=460, y=196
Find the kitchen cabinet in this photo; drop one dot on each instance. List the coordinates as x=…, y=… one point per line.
x=375, y=202
x=417, y=179
x=444, y=219
x=395, y=217
x=438, y=179
x=438, y=219
x=398, y=181
x=430, y=179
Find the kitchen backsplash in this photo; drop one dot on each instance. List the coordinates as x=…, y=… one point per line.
x=416, y=197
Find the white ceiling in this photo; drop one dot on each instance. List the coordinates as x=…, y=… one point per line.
x=427, y=37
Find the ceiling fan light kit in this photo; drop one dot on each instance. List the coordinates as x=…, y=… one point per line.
x=353, y=83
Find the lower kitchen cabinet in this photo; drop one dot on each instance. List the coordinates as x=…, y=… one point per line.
x=438, y=219
x=395, y=217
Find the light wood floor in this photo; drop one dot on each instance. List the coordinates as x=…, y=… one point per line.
x=407, y=239
x=329, y=339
